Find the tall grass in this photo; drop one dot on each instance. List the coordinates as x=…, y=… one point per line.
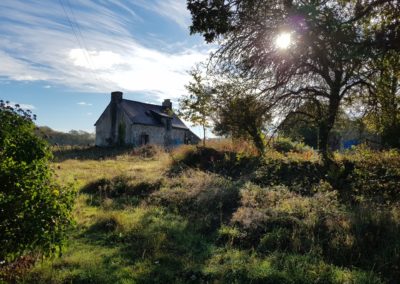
x=204, y=216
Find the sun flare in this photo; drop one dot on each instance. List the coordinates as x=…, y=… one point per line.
x=283, y=41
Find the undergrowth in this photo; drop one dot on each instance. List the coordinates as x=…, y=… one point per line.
x=219, y=215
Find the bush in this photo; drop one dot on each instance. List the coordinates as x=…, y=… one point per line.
x=34, y=211
x=371, y=175
x=284, y=145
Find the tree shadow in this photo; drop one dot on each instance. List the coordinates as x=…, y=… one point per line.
x=88, y=152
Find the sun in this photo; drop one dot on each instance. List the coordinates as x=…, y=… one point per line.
x=283, y=40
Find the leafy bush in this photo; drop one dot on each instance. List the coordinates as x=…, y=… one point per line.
x=284, y=145
x=35, y=212
x=371, y=175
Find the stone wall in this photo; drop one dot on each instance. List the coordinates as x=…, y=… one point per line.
x=157, y=135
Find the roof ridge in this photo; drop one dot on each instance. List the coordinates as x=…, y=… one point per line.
x=141, y=103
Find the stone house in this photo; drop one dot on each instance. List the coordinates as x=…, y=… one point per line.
x=126, y=122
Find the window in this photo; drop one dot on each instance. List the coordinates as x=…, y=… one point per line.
x=144, y=139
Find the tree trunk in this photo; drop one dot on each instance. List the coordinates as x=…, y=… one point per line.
x=204, y=136
x=326, y=125
x=258, y=139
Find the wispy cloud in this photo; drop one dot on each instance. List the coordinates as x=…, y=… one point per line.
x=174, y=10
x=84, y=104
x=21, y=106
x=99, y=52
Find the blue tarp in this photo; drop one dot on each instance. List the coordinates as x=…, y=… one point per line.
x=349, y=143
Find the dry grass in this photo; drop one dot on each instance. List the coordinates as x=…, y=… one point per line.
x=200, y=227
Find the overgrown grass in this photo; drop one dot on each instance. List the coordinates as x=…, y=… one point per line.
x=223, y=216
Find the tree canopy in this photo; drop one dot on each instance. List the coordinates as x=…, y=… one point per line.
x=326, y=62
x=241, y=114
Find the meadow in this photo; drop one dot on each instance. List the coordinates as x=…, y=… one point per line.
x=221, y=215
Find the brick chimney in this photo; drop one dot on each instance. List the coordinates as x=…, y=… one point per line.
x=167, y=104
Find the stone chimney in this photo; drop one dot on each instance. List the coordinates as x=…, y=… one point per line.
x=116, y=98
x=167, y=104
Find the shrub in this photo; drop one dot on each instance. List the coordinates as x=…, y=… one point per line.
x=284, y=145
x=371, y=175
x=278, y=219
x=35, y=212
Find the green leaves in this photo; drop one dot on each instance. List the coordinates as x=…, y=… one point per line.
x=33, y=220
x=196, y=106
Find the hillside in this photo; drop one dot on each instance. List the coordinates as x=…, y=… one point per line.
x=219, y=215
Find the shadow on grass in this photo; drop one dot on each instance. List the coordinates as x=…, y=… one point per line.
x=88, y=153
x=166, y=248
x=119, y=191
x=153, y=245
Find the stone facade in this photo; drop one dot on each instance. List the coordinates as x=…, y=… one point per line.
x=122, y=124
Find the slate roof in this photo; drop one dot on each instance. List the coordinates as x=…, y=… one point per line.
x=147, y=114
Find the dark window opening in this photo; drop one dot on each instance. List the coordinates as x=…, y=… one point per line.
x=187, y=139
x=144, y=139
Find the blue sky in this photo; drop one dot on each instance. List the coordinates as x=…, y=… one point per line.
x=63, y=58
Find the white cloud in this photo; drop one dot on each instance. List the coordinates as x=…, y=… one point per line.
x=47, y=86
x=38, y=44
x=95, y=60
x=21, y=106
x=84, y=104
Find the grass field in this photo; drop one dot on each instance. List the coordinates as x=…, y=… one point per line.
x=175, y=218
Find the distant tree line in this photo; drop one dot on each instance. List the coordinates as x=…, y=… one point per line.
x=73, y=137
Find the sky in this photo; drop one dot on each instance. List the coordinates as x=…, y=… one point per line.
x=63, y=58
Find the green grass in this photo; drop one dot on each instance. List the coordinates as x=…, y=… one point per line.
x=138, y=221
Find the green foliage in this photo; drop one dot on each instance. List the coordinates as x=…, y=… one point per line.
x=383, y=116
x=35, y=211
x=241, y=114
x=325, y=65
x=240, y=266
x=151, y=225
x=196, y=106
x=283, y=144
x=372, y=175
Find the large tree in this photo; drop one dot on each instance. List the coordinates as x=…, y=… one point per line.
x=300, y=52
